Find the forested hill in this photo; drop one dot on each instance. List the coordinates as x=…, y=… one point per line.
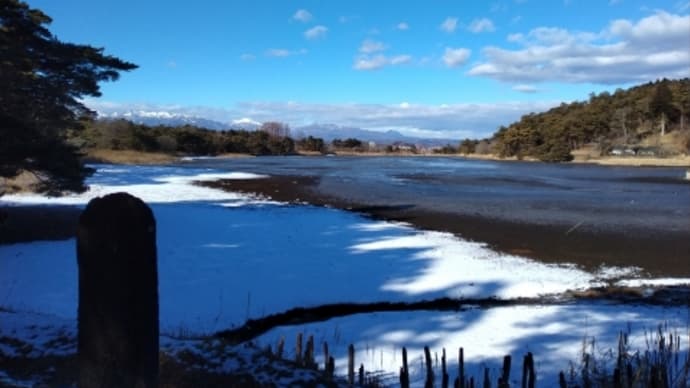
x=626, y=117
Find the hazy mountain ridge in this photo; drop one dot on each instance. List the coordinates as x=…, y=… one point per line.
x=328, y=132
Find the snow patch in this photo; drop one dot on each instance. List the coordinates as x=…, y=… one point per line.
x=170, y=189
x=654, y=282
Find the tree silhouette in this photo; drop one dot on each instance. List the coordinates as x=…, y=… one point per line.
x=43, y=80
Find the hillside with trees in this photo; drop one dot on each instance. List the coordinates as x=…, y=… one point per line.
x=640, y=116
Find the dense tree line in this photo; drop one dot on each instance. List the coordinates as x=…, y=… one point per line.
x=350, y=143
x=190, y=140
x=624, y=117
x=311, y=144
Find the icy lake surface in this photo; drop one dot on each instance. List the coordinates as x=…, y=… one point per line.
x=225, y=257
x=653, y=199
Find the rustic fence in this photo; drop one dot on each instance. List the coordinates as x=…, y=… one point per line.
x=304, y=356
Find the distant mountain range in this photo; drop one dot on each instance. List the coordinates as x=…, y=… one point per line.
x=328, y=132
x=165, y=118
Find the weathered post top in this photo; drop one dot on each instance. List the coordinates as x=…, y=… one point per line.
x=118, y=294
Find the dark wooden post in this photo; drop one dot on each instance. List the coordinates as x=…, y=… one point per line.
x=532, y=376
x=325, y=355
x=504, y=381
x=351, y=364
x=280, y=347
x=461, y=371
x=309, y=353
x=118, y=294
x=561, y=380
x=525, y=369
x=298, y=349
x=617, y=382
x=429, y=368
x=444, y=369
x=404, y=371
x=330, y=368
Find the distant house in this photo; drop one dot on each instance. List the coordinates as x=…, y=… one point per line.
x=404, y=146
x=623, y=151
x=617, y=151
x=648, y=151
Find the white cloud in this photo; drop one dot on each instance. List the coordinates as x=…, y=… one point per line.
x=625, y=51
x=282, y=53
x=316, y=32
x=524, y=88
x=449, y=25
x=441, y=121
x=302, y=15
x=247, y=57
x=481, y=25
x=278, y=52
x=454, y=57
x=402, y=26
x=371, y=46
x=369, y=62
x=400, y=59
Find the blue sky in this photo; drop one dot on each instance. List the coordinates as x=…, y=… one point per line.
x=426, y=68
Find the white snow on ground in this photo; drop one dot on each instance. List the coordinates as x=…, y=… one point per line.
x=158, y=189
x=48, y=335
x=555, y=335
x=653, y=282
x=219, y=265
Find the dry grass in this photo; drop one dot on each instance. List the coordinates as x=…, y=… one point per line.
x=497, y=158
x=233, y=155
x=184, y=369
x=675, y=161
x=128, y=157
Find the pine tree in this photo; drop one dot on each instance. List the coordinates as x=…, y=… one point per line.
x=43, y=80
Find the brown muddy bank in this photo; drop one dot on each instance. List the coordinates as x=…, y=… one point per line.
x=659, y=254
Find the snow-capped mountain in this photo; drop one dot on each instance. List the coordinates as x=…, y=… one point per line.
x=328, y=132
x=166, y=118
